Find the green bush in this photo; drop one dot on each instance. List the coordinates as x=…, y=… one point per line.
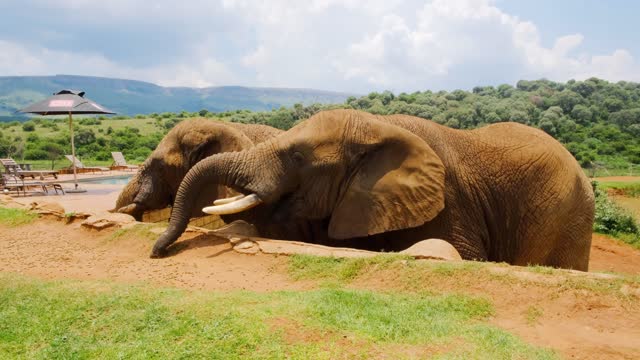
x=613, y=220
x=28, y=126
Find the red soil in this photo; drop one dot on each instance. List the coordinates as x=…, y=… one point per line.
x=578, y=323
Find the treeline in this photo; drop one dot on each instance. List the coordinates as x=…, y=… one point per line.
x=91, y=142
x=598, y=121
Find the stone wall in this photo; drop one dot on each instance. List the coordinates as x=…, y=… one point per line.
x=207, y=222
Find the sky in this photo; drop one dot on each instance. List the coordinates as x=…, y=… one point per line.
x=355, y=46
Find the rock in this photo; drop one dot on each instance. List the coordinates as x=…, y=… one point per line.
x=284, y=247
x=5, y=199
x=9, y=202
x=426, y=249
x=47, y=208
x=433, y=249
x=247, y=247
x=237, y=228
x=106, y=220
x=628, y=290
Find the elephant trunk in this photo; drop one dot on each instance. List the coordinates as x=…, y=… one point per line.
x=230, y=169
x=136, y=195
x=126, y=202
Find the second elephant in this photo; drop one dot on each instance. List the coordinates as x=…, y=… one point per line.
x=156, y=183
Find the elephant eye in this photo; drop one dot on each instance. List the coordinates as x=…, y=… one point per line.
x=297, y=157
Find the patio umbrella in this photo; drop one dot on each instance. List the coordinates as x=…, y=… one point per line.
x=67, y=102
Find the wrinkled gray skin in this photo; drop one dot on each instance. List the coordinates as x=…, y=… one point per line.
x=505, y=192
x=155, y=184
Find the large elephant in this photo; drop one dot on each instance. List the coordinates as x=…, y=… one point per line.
x=504, y=192
x=155, y=184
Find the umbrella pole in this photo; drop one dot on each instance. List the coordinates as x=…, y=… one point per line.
x=73, y=163
x=73, y=151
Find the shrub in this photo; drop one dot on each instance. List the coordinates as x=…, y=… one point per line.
x=90, y=121
x=612, y=219
x=28, y=126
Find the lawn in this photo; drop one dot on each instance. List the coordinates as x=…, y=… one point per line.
x=39, y=319
x=628, y=188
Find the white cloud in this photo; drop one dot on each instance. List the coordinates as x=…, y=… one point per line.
x=452, y=34
x=42, y=61
x=348, y=45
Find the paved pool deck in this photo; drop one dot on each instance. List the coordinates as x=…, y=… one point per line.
x=98, y=198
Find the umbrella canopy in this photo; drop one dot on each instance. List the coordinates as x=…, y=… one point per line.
x=65, y=102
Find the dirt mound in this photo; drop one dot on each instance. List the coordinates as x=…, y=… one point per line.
x=611, y=255
x=51, y=250
x=542, y=308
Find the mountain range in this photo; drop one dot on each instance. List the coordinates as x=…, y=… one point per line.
x=131, y=97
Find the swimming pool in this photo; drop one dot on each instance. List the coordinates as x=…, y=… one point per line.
x=113, y=180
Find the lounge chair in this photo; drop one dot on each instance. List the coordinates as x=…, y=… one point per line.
x=12, y=167
x=11, y=183
x=80, y=168
x=119, y=162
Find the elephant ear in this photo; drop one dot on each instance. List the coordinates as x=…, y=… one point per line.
x=398, y=184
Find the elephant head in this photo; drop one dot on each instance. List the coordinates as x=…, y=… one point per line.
x=155, y=184
x=362, y=175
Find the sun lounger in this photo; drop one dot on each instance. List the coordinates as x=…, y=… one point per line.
x=10, y=184
x=80, y=168
x=12, y=167
x=14, y=184
x=119, y=162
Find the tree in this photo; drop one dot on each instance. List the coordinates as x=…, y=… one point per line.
x=625, y=118
x=84, y=137
x=53, y=151
x=505, y=90
x=28, y=126
x=566, y=100
x=582, y=114
x=547, y=126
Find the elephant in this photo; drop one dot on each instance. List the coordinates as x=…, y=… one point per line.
x=155, y=184
x=505, y=192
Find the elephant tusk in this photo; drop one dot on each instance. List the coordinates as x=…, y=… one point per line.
x=228, y=200
x=245, y=203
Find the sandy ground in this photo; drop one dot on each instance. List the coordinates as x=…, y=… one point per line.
x=578, y=323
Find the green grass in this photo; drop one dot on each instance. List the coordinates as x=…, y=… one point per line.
x=318, y=267
x=532, y=314
x=16, y=217
x=64, y=163
x=147, y=126
x=631, y=188
x=71, y=319
x=413, y=276
x=138, y=231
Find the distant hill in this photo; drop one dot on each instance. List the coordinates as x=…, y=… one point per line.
x=131, y=97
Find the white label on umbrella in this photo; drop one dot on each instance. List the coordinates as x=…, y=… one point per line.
x=61, y=103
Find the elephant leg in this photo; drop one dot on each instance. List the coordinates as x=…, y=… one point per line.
x=573, y=246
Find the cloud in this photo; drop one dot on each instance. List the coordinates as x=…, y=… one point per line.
x=348, y=45
x=453, y=34
x=43, y=61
